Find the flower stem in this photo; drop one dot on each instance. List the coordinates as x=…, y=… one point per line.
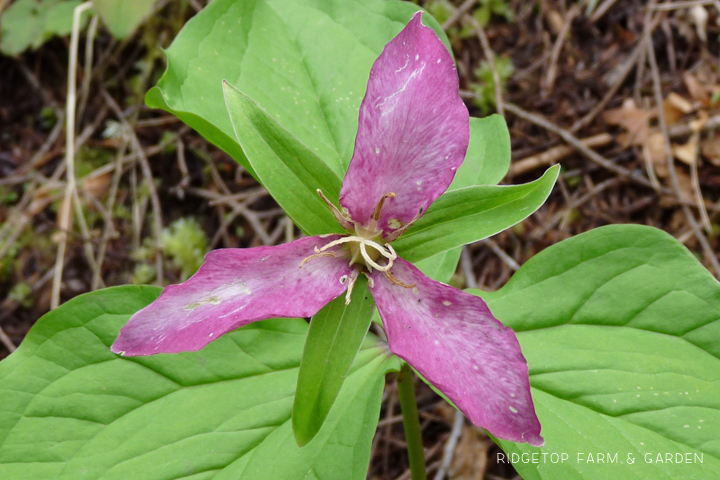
x=411, y=422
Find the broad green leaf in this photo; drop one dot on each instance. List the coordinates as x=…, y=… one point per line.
x=488, y=156
x=30, y=23
x=441, y=266
x=621, y=330
x=335, y=336
x=288, y=169
x=469, y=214
x=70, y=409
x=305, y=62
x=122, y=17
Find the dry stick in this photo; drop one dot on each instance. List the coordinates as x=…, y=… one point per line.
x=289, y=230
x=548, y=225
x=555, y=154
x=451, y=445
x=85, y=234
x=679, y=5
x=686, y=129
x=671, y=163
x=458, y=13
x=601, y=10
x=49, y=141
x=27, y=208
x=6, y=341
x=87, y=70
x=109, y=228
x=502, y=254
x=698, y=193
x=69, y=154
x=147, y=173
x=549, y=80
x=572, y=140
x=490, y=56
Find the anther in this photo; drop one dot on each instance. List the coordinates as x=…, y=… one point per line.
x=349, y=290
x=378, y=208
x=396, y=234
x=395, y=280
x=344, y=221
x=317, y=255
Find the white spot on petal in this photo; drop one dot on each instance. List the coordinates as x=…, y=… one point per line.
x=513, y=409
x=417, y=57
x=446, y=303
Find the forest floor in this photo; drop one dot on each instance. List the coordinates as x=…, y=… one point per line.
x=623, y=94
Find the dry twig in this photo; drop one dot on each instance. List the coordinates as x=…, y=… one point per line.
x=553, y=155
x=575, y=142
x=709, y=253
x=549, y=80
x=65, y=210
x=490, y=57
x=149, y=179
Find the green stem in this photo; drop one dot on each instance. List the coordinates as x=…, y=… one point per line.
x=411, y=422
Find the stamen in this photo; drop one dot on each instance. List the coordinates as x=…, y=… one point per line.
x=376, y=213
x=344, y=221
x=361, y=241
x=349, y=290
x=395, y=280
x=317, y=255
x=390, y=253
x=396, y=234
x=371, y=263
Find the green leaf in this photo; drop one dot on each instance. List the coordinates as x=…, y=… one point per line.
x=334, y=339
x=30, y=23
x=488, y=156
x=621, y=330
x=441, y=266
x=288, y=169
x=470, y=214
x=122, y=17
x=70, y=409
x=305, y=62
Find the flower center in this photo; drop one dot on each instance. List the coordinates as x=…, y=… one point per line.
x=363, y=245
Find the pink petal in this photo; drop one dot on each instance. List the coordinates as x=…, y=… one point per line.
x=235, y=287
x=453, y=340
x=413, y=130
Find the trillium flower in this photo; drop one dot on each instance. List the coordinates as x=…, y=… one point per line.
x=413, y=134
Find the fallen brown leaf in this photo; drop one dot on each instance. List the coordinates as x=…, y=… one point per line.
x=471, y=455
x=696, y=89
x=687, y=152
x=710, y=149
x=633, y=119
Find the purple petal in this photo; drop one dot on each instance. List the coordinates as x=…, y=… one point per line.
x=235, y=287
x=453, y=340
x=413, y=130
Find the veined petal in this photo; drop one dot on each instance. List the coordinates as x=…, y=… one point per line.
x=235, y=287
x=453, y=340
x=413, y=130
